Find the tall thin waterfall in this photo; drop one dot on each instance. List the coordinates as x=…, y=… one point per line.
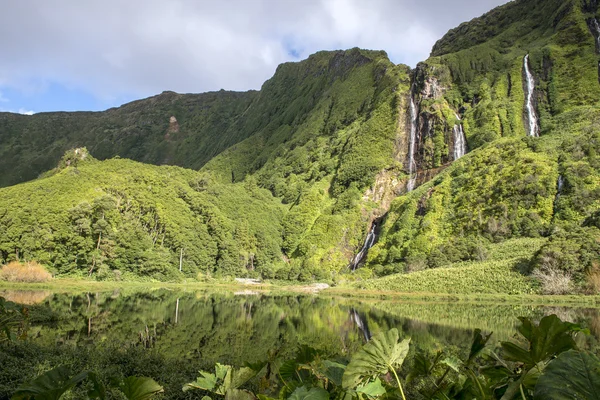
x=559, y=188
x=596, y=30
x=412, y=164
x=460, y=141
x=369, y=241
x=534, y=129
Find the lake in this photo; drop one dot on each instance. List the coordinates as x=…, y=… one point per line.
x=170, y=334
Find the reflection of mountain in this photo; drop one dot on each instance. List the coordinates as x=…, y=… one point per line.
x=206, y=328
x=501, y=319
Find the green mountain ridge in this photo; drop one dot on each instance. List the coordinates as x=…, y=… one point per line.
x=321, y=154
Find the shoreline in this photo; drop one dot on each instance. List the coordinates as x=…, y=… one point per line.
x=277, y=288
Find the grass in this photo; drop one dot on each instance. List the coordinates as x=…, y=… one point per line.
x=488, y=277
x=69, y=285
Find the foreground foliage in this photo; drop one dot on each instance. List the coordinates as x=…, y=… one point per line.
x=534, y=366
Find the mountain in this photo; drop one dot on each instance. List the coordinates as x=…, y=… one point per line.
x=179, y=129
x=355, y=161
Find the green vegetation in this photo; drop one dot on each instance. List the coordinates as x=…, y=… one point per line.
x=206, y=124
x=119, y=219
x=535, y=366
x=289, y=180
x=462, y=278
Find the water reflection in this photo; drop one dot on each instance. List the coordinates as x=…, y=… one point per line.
x=229, y=328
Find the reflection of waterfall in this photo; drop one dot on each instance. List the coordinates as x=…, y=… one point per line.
x=460, y=142
x=369, y=241
x=361, y=323
x=531, y=116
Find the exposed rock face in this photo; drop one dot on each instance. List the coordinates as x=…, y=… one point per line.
x=433, y=135
x=173, y=125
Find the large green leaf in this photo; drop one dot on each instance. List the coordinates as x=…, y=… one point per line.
x=237, y=394
x=304, y=393
x=135, y=388
x=372, y=389
x=97, y=391
x=238, y=377
x=550, y=338
x=224, y=380
x=382, y=354
x=478, y=344
x=574, y=375
x=206, y=381
x=49, y=386
x=334, y=371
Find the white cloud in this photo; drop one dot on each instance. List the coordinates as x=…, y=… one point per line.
x=115, y=48
x=22, y=111
x=3, y=99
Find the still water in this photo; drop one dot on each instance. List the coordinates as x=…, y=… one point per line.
x=195, y=329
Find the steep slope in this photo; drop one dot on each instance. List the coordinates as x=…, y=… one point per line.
x=170, y=128
x=325, y=130
x=512, y=185
x=119, y=219
x=338, y=165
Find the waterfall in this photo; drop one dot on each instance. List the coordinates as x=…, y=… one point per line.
x=412, y=165
x=361, y=323
x=559, y=187
x=369, y=241
x=460, y=141
x=596, y=30
x=560, y=184
x=532, y=118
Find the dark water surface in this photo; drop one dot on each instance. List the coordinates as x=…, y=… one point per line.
x=194, y=330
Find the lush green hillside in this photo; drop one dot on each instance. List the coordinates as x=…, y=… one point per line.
x=322, y=157
x=508, y=186
x=120, y=219
x=204, y=125
x=304, y=168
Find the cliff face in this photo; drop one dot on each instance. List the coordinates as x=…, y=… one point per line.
x=525, y=69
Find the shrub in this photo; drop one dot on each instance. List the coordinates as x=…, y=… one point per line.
x=554, y=281
x=24, y=272
x=593, y=279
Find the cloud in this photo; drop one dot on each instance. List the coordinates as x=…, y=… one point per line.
x=115, y=49
x=3, y=99
x=22, y=111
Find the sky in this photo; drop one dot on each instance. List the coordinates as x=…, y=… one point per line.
x=74, y=55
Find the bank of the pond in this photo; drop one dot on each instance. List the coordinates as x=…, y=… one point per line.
x=533, y=299
x=69, y=285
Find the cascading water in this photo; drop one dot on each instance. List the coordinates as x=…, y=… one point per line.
x=596, y=30
x=559, y=187
x=412, y=165
x=361, y=323
x=460, y=141
x=369, y=241
x=531, y=116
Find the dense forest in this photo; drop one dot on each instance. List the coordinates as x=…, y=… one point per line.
x=498, y=132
